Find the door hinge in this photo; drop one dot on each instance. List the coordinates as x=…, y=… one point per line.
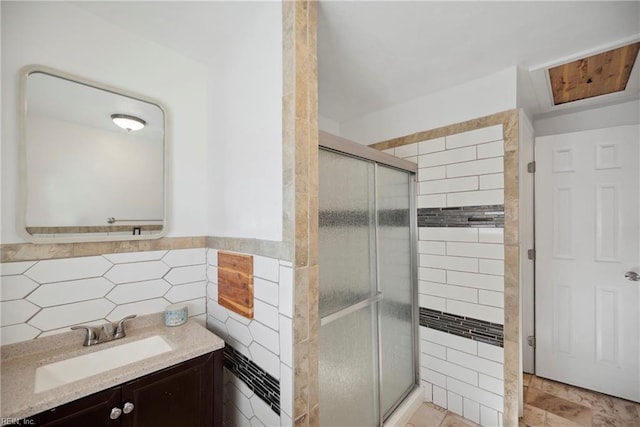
x=531, y=167
x=531, y=254
x=531, y=340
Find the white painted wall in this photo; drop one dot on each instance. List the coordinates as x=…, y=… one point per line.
x=477, y=98
x=245, y=143
x=328, y=125
x=68, y=38
x=626, y=113
x=527, y=98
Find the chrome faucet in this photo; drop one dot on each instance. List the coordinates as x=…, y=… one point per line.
x=103, y=333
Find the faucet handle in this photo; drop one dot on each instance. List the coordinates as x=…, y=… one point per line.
x=120, y=329
x=92, y=335
x=109, y=330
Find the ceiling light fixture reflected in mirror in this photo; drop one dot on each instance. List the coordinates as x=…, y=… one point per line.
x=127, y=122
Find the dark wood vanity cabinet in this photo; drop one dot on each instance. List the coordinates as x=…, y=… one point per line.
x=187, y=394
x=179, y=396
x=89, y=411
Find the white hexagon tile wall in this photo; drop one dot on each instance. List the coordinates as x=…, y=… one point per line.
x=40, y=298
x=259, y=352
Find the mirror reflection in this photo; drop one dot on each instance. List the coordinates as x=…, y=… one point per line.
x=94, y=161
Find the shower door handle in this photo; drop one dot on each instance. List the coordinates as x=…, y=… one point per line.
x=351, y=309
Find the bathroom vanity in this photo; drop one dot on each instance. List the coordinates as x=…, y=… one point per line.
x=180, y=386
x=184, y=394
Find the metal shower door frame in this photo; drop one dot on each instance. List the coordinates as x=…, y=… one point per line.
x=349, y=148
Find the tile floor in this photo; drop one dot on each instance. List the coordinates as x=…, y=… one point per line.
x=430, y=415
x=548, y=404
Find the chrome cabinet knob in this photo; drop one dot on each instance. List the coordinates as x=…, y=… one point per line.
x=115, y=413
x=127, y=408
x=633, y=276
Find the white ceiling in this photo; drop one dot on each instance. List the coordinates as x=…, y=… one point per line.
x=372, y=55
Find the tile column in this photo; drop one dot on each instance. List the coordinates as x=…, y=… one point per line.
x=300, y=141
x=512, y=367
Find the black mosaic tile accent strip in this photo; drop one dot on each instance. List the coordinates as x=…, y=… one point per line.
x=467, y=327
x=386, y=218
x=393, y=218
x=344, y=218
x=484, y=216
x=256, y=378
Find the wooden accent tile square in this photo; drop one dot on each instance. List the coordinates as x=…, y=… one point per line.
x=235, y=283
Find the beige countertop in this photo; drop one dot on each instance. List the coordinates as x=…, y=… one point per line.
x=19, y=361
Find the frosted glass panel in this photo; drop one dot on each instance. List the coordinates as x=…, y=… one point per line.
x=347, y=231
x=366, y=357
x=348, y=371
x=394, y=252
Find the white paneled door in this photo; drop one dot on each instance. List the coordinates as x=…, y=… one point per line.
x=587, y=234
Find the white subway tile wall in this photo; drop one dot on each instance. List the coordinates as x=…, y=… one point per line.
x=474, y=137
x=431, y=146
x=471, y=410
x=460, y=378
x=491, y=181
x=406, y=151
x=431, y=200
x=266, y=339
x=476, y=156
x=40, y=298
x=461, y=272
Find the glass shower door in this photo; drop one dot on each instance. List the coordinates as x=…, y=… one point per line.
x=348, y=358
x=367, y=329
x=395, y=257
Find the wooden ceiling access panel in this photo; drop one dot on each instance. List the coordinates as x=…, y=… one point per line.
x=235, y=283
x=596, y=75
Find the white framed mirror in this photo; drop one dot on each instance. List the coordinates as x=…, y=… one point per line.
x=93, y=161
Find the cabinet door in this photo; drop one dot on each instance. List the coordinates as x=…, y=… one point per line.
x=181, y=395
x=91, y=411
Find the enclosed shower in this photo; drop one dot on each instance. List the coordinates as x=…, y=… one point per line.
x=368, y=345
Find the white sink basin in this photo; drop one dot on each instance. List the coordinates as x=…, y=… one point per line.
x=80, y=367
